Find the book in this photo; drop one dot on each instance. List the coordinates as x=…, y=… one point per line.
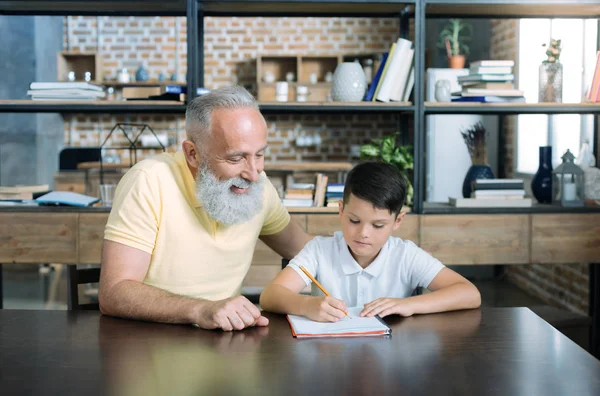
x=385, y=69
x=490, y=70
x=23, y=188
x=402, y=76
x=486, y=78
x=487, y=85
x=391, y=81
x=375, y=82
x=67, y=93
x=409, y=84
x=490, y=99
x=498, y=186
x=483, y=193
x=304, y=203
x=489, y=203
x=65, y=85
x=300, y=191
x=298, y=196
x=66, y=198
x=302, y=186
x=492, y=63
x=492, y=92
x=353, y=326
x=491, y=181
x=594, y=90
x=339, y=188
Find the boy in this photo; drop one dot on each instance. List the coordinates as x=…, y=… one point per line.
x=364, y=266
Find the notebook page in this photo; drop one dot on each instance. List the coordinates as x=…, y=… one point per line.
x=355, y=324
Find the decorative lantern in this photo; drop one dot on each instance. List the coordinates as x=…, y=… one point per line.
x=568, y=182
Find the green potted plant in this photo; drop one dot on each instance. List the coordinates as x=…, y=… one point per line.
x=385, y=149
x=453, y=39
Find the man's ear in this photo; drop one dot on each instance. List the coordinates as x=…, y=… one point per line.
x=341, y=206
x=192, y=156
x=398, y=220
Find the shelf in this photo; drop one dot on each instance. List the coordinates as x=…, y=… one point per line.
x=310, y=210
x=511, y=108
x=326, y=210
x=328, y=107
x=151, y=83
x=445, y=208
x=512, y=8
x=308, y=166
x=362, y=8
x=88, y=106
x=94, y=7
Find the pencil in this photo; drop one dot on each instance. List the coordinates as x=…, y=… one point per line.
x=312, y=278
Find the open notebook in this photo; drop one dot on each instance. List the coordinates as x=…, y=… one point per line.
x=347, y=327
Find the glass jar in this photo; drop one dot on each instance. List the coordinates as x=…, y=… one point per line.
x=550, y=83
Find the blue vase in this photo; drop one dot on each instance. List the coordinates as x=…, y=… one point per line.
x=475, y=172
x=141, y=74
x=541, y=185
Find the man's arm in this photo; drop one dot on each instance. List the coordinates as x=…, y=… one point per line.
x=123, y=294
x=289, y=241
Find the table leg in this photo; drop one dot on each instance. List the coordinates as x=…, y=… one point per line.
x=595, y=309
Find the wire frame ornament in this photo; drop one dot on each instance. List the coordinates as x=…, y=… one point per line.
x=131, y=142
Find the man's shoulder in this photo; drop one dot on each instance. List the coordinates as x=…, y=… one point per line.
x=159, y=163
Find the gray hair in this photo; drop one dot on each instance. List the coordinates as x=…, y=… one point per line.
x=199, y=111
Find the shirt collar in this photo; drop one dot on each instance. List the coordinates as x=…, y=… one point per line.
x=188, y=179
x=349, y=264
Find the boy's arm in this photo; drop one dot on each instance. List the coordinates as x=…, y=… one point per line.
x=281, y=295
x=450, y=291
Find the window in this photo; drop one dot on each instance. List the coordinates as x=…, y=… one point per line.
x=563, y=131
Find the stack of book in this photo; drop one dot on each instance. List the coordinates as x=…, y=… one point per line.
x=395, y=78
x=495, y=193
x=299, y=195
x=335, y=192
x=65, y=91
x=489, y=81
x=19, y=193
x=163, y=92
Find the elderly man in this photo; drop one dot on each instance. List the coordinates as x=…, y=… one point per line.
x=182, y=229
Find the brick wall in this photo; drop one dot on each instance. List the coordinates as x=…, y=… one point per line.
x=565, y=285
x=231, y=46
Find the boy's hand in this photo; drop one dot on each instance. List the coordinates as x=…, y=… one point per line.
x=387, y=306
x=326, y=309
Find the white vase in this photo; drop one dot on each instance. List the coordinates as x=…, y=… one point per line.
x=349, y=83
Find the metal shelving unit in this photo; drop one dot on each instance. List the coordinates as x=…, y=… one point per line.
x=89, y=107
x=94, y=7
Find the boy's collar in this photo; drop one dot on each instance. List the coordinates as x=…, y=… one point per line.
x=350, y=266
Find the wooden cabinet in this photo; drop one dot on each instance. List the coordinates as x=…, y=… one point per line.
x=477, y=239
x=76, y=238
x=565, y=238
x=38, y=238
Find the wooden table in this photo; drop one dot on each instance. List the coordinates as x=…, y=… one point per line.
x=492, y=351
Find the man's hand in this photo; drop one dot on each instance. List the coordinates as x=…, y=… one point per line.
x=387, y=306
x=234, y=313
x=325, y=309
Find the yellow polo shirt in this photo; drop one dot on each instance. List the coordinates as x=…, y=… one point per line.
x=155, y=210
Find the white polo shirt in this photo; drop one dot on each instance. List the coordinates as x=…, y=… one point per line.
x=399, y=268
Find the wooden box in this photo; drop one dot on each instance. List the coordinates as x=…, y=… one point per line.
x=79, y=62
x=302, y=67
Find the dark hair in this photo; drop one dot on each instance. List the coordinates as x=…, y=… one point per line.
x=380, y=183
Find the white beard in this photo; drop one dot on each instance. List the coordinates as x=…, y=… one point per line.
x=222, y=204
